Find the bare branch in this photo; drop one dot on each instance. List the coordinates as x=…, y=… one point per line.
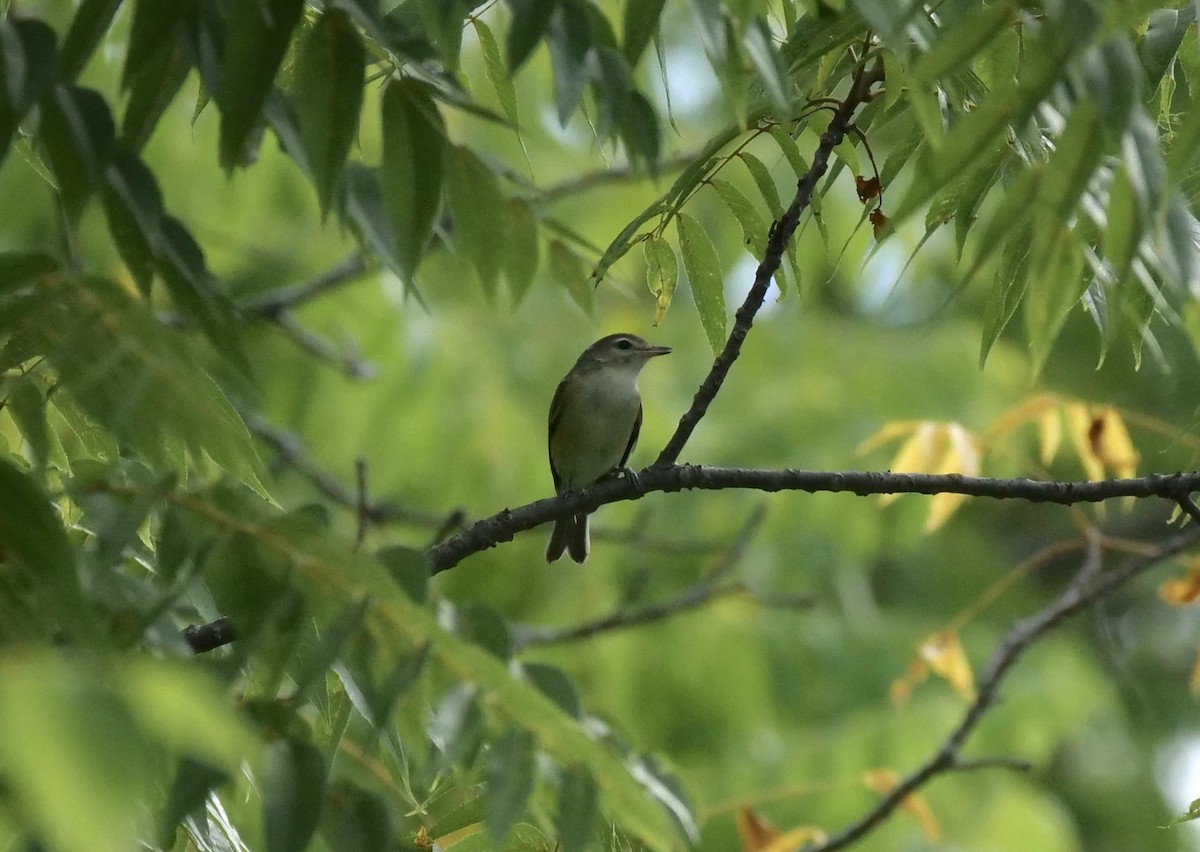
x=207, y=637
x=322, y=349
x=1078, y=595
x=364, y=502
x=504, y=525
x=270, y=305
x=289, y=449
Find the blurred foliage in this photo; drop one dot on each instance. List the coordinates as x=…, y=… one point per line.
x=250, y=247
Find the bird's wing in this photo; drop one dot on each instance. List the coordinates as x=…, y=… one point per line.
x=633, y=436
x=552, y=424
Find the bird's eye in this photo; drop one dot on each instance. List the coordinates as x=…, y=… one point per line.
x=624, y=343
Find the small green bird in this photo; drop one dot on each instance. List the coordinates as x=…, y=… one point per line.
x=595, y=418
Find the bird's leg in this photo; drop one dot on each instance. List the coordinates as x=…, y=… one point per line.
x=629, y=474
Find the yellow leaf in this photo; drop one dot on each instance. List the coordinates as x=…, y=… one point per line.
x=1079, y=424
x=1049, y=435
x=963, y=454
x=944, y=654
x=1182, y=590
x=755, y=832
x=1111, y=443
x=903, y=686
x=1195, y=683
x=795, y=838
x=1027, y=409
x=941, y=507
x=886, y=434
x=883, y=781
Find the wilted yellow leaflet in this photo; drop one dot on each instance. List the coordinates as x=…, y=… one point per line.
x=883, y=781
x=757, y=834
x=902, y=687
x=1101, y=440
x=1182, y=590
x=943, y=652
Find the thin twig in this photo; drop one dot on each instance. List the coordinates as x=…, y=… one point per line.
x=320, y=348
x=705, y=590
x=269, y=305
x=289, y=449
x=1076, y=597
x=1189, y=507
x=504, y=525
x=364, y=503
x=781, y=233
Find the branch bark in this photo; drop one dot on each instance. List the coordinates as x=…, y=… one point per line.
x=504, y=525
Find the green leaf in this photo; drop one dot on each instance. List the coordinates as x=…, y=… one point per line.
x=1070, y=169
x=570, y=41
x=413, y=167
x=639, y=130
x=1113, y=83
x=189, y=791
x=529, y=23
x=957, y=45
x=956, y=152
x=138, y=378
x=27, y=405
x=754, y=230
x=328, y=87
x=1166, y=30
x=19, y=268
x=760, y=47
x=1124, y=226
x=133, y=207
x=150, y=34
x=509, y=781
x=640, y=26
x=362, y=208
x=478, y=208
x=765, y=183
x=555, y=685
x=577, y=809
x=92, y=20
x=790, y=149
x=1008, y=289
x=521, y=248
x=1055, y=285
x=73, y=754
x=293, y=794
x=704, y=273
x=78, y=133
x=152, y=88
x=662, y=274
x=493, y=67
x=409, y=568
x=363, y=824
x=32, y=531
x=569, y=271
x=312, y=663
x=27, y=71
x=613, y=87
x=257, y=36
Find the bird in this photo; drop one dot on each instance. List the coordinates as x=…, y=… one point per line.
x=594, y=421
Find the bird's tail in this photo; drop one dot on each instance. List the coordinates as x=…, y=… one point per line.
x=570, y=536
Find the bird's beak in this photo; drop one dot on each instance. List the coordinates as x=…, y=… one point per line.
x=651, y=351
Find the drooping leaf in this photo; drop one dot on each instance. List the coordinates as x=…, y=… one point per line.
x=412, y=169
x=27, y=71
x=530, y=19
x=364, y=210
x=522, y=252
x=256, y=39
x=568, y=271
x=569, y=37
x=497, y=74
x=78, y=133
x=92, y=20
x=328, y=85
x=152, y=88
x=149, y=32
x=509, y=781
x=577, y=808
x=293, y=794
x=704, y=271
x=662, y=274
x=478, y=208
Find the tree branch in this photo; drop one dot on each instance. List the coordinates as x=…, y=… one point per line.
x=781, y=233
x=1088, y=586
x=504, y=525
x=271, y=304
